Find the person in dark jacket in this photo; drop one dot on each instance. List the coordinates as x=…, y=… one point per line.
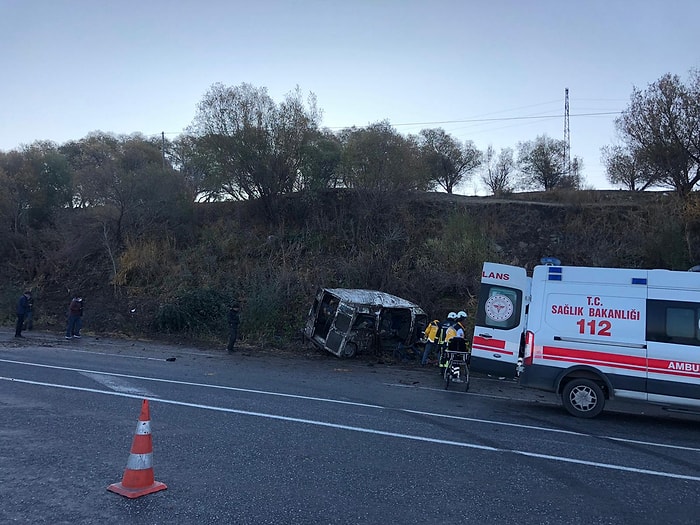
x=22, y=309
x=75, y=313
x=233, y=322
x=29, y=317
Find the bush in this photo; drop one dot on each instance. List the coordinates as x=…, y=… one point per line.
x=199, y=312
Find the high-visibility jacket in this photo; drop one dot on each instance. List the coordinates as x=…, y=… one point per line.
x=443, y=328
x=459, y=328
x=431, y=331
x=445, y=333
x=455, y=330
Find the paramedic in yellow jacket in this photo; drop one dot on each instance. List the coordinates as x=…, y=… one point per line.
x=457, y=339
x=430, y=335
x=460, y=325
x=457, y=345
x=446, y=332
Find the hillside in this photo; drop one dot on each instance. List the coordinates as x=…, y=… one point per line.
x=176, y=280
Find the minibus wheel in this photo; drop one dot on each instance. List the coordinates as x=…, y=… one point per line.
x=583, y=398
x=350, y=350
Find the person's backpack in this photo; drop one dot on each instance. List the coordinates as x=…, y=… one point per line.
x=441, y=336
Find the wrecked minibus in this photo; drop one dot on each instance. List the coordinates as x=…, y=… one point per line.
x=349, y=321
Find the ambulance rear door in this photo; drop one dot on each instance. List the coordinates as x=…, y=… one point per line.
x=501, y=320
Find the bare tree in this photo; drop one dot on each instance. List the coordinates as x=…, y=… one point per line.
x=623, y=169
x=38, y=183
x=193, y=163
x=543, y=165
x=123, y=177
x=498, y=171
x=661, y=129
x=448, y=162
x=378, y=157
x=255, y=148
x=574, y=179
x=321, y=161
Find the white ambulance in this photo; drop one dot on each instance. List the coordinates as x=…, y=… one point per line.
x=591, y=334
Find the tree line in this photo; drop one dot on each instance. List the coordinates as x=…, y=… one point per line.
x=242, y=145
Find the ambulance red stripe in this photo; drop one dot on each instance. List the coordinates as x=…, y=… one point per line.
x=595, y=363
x=619, y=361
x=573, y=353
x=490, y=345
x=489, y=342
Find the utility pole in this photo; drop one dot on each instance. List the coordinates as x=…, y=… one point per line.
x=567, y=135
x=162, y=147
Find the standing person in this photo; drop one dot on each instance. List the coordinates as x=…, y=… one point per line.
x=79, y=322
x=461, y=324
x=75, y=312
x=22, y=309
x=456, y=339
x=445, y=332
x=430, y=334
x=29, y=317
x=234, y=320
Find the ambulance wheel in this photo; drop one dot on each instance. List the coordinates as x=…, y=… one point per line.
x=583, y=398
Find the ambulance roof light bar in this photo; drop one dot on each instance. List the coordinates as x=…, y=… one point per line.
x=550, y=261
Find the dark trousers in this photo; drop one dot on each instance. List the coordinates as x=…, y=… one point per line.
x=18, y=327
x=74, y=325
x=232, y=336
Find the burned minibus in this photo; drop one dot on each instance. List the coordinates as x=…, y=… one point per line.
x=347, y=321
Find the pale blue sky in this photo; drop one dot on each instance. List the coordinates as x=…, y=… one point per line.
x=70, y=67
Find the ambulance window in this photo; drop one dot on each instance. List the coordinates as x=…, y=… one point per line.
x=680, y=322
x=673, y=322
x=499, y=307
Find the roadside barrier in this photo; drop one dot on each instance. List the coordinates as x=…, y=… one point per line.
x=138, y=479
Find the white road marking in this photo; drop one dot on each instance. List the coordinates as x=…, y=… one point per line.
x=364, y=405
x=117, y=384
x=201, y=385
x=561, y=459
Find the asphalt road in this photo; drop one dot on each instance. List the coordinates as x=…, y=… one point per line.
x=256, y=438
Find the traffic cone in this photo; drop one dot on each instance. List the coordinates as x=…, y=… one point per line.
x=138, y=477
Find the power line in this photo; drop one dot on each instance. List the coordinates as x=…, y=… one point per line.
x=496, y=119
x=460, y=121
x=499, y=119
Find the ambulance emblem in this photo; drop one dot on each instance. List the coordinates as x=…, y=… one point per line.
x=499, y=308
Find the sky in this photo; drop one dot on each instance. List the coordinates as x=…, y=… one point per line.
x=490, y=71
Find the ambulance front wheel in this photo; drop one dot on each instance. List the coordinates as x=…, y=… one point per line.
x=583, y=398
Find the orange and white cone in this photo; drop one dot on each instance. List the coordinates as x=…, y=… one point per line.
x=138, y=477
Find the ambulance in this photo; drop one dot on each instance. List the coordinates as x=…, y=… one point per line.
x=592, y=334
